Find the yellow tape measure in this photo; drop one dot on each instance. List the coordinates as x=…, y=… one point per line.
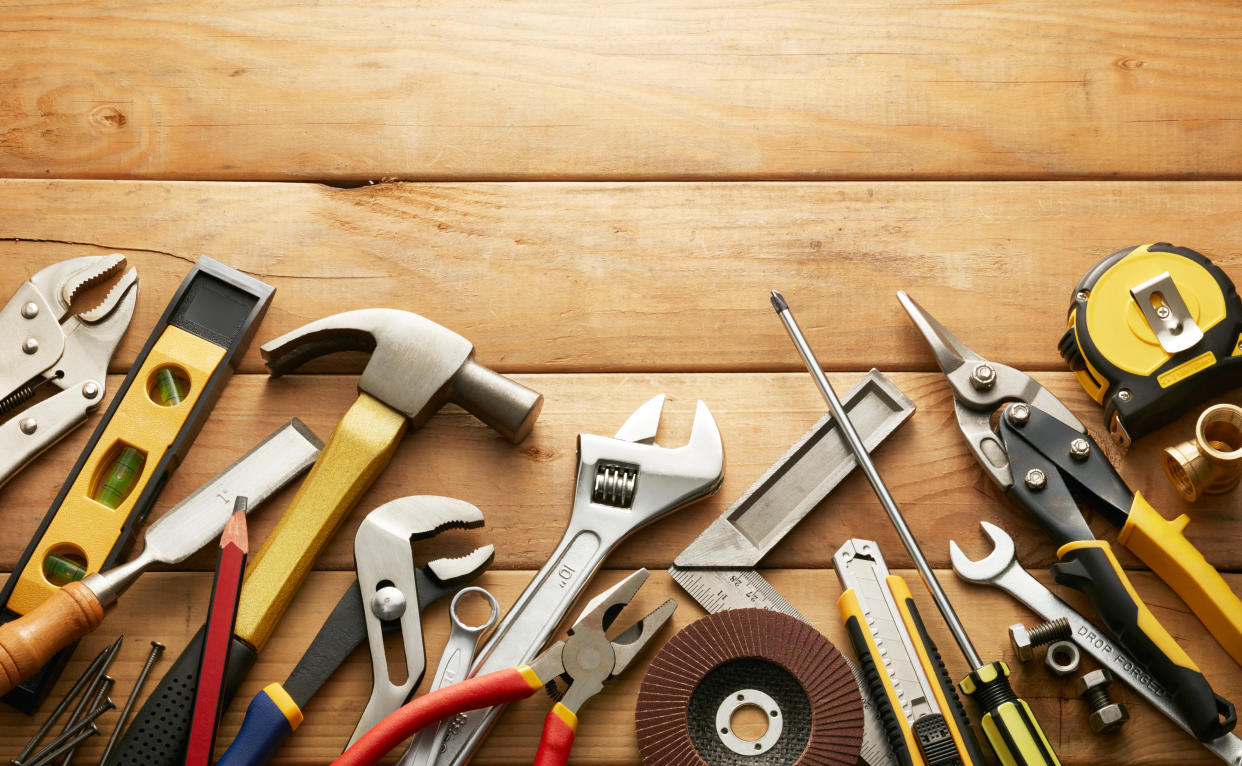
x=1154, y=331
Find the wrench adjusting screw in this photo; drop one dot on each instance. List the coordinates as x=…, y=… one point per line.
x=1106, y=716
x=614, y=484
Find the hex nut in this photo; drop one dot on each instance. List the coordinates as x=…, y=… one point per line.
x=1096, y=679
x=1021, y=640
x=1108, y=718
x=1062, y=658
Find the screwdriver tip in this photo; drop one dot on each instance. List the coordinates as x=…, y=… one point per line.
x=778, y=302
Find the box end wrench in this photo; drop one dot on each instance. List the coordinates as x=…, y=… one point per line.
x=1001, y=569
x=623, y=484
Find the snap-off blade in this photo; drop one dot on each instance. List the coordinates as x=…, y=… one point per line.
x=776, y=662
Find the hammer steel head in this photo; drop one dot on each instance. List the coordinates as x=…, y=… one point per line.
x=416, y=366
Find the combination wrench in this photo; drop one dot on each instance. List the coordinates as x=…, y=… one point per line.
x=454, y=665
x=623, y=484
x=1001, y=569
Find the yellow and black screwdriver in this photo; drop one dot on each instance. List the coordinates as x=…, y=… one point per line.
x=1007, y=720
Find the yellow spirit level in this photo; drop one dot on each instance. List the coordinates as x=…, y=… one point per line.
x=142, y=438
x=1154, y=331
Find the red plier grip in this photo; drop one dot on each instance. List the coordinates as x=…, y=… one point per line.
x=481, y=692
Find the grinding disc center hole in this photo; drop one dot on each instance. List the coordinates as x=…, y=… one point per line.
x=749, y=722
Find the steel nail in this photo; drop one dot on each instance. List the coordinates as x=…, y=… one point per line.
x=82, y=736
x=156, y=650
x=88, y=677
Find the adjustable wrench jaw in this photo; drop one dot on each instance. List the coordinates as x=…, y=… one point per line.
x=624, y=484
x=390, y=587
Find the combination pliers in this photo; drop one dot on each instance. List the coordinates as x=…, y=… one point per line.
x=44, y=343
x=1037, y=452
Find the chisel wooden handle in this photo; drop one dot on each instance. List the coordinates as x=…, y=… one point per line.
x=27, y=643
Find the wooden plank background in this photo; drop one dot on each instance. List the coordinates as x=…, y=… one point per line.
x=600, y=196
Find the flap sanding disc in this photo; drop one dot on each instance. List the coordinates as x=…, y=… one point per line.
x=753, y=657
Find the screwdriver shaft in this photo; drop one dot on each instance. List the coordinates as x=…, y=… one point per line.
x=877, y=483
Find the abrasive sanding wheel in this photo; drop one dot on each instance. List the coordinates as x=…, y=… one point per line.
x=749, y=657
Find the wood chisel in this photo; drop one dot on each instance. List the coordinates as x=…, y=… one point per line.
x=1007, y=720
x=147, y=430
x=718, y=568
x=1154, y=331
x=921, y=711
x=76, y=609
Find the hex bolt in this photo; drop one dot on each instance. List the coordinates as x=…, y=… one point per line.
x=1019, y=414
x=1062, y=658
x=1106, y=716
x=983, y=377
x=1025, y=639
x=1080, y=449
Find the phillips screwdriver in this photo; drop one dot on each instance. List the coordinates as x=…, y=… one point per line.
x=1007, y=720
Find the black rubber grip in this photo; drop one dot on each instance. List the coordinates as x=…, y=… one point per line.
x=879, y=695
x=160, y=731
x=956, y=709
x=1092, y=571
x=936, y=741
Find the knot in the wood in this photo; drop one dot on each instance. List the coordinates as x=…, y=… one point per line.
x=107, y=117
x=1129, y=63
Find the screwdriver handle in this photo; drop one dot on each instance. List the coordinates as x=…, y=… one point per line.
x=1089, y=566
x=1007, y=720
x=30, y=641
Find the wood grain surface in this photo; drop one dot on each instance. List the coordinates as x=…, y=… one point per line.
x=638, y=277
x=604, y=194
x=347, y=91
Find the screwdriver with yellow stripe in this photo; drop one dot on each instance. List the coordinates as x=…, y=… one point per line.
x=1007, y=720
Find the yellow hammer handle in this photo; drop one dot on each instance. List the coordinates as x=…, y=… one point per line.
x=1163, y=546
x=29, y=642
x=358, y=450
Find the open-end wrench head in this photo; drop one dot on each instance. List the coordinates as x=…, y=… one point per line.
x=991, y=566
x=642, y=425
x=416, y=366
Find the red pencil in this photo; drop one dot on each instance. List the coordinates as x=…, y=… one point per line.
x=209, y=699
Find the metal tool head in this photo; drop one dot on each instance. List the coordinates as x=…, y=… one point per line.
x=980, y=388
x=1003, y=555
x=629, y=472
x=588, y=657
x=415, y=367
x=390, y=585
x=61, y=282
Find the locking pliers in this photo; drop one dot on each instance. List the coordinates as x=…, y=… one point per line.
x=41, y=341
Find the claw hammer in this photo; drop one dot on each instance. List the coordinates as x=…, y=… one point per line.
x=415, y=367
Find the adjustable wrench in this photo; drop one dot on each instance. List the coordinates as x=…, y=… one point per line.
x=624, y=483
x=1001, y=569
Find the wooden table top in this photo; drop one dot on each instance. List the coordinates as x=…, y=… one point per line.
x=600, y=197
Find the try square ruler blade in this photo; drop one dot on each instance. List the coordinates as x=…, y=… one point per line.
x=718, y=568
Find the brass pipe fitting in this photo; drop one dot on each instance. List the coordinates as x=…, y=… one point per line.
x=1210, y=463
